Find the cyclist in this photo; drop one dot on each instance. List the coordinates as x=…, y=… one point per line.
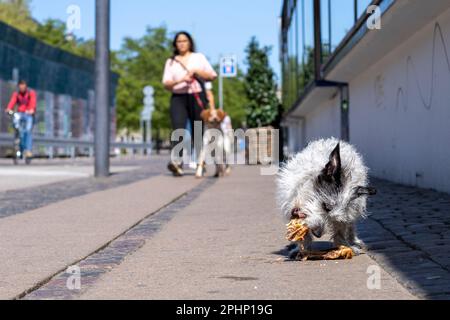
x=25, y=100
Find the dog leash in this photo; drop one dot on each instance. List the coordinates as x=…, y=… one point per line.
x=195, y=94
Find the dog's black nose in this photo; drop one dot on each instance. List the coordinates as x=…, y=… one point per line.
x=318, y=232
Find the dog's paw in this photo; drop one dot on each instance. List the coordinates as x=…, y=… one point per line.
x=294, y=253
x=357, y=250
x=360, y=244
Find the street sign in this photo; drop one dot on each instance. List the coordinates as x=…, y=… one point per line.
x=149, y=103
x=228, y=66
x=146, y=114
x=149, y=91
x=228, y=69
x=149, y=100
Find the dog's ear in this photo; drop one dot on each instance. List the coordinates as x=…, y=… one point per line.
x=366, y=191
x=221, y=114
x=332, y=171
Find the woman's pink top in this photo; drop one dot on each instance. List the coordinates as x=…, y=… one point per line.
x=175, y=72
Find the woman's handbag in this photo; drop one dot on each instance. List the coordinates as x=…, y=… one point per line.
x=202, y=98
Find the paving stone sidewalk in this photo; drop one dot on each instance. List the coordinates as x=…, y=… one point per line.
x=14, y=202
x=39, y=243
x=103, y=261
x=408, y=233
x=225, y=241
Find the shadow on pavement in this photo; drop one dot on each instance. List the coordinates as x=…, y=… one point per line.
x=408, y=234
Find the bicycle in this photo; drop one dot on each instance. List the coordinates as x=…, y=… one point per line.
x=19, y=125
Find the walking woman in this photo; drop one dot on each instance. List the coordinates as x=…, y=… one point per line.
x=184, y=75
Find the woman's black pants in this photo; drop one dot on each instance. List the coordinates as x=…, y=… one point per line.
x=184, y=109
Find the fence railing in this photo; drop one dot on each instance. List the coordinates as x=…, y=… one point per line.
x=7, y=140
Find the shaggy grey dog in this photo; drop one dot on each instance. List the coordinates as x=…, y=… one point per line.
x=326, y=185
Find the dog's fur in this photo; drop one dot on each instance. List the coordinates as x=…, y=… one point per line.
x=327, y=183
x=212, y=119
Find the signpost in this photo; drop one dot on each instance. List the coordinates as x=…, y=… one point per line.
x=228, y=69
x=146, y=116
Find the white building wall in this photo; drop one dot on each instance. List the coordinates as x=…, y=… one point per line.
x=294, y=136
x=400, y=111
x=324, y=121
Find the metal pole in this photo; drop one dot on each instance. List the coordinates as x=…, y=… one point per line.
x=356, y=10
x=303, y=43
x=142, y=122
x=317, y=41
x=158, y=151
x=102, y=90
x=150, y=140
x=221, y=90
x=297, y=79
x=330, y=42
x=144, y=135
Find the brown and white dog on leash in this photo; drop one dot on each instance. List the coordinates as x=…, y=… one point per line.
x=212, y=118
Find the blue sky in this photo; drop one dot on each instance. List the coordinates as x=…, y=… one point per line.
x=219, y=26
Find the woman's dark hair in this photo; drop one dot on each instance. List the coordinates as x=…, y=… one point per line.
x=191, y=41
x=21, y=82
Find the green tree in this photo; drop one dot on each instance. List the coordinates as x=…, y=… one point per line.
x=54, y=33
x=17, y=14
x=234, y=96
x=140, y=62
x=260, y=86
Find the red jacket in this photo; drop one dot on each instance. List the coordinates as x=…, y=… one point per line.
x=25, y=102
